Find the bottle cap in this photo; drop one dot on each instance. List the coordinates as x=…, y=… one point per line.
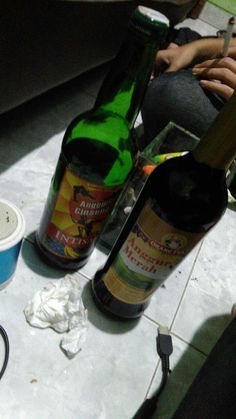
x=12, y=228
x=149, y=21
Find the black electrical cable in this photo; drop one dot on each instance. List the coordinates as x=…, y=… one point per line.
x=164, y=350
x=3, y=333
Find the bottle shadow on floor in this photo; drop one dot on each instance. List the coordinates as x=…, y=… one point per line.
x=36, y=263
x=104, y=321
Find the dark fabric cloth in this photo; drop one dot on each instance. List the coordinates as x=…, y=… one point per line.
x=212, y=395
x=178, y=97
x=182, y=36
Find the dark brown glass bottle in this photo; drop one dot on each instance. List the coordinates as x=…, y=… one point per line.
x=182, y=200
x=98, y=149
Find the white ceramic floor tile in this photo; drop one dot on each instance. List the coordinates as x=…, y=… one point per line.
x=185, y=363
x=203, y=28
x=215, y=16
x=33, y=141
x=201, y=319
x=166, y=299
x=206, y=307
x=216, y=266
x=107, y=379
x=95, y=262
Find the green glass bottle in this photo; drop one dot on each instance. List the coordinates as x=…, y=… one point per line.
x=182, y=200
x=98, y=149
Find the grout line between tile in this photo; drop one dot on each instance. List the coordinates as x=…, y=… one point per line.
x=150, y=319
x=177, y=336
x=153, y=378
x=171, y=325
x=186, y=286
x=181, y=299
x=85, y=276
x=189, y=344
x=159, y=362
x=210, y=24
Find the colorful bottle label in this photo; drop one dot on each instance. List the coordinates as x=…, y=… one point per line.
x=76, y=220
x=151, y=251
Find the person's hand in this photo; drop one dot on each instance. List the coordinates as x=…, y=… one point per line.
x=218, y=75
x=175, y=58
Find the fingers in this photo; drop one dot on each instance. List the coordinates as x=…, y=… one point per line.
x=224, y=75
x=225, y=62
x=176, y=58
x=167, y=60
x=219, y=74
x=162, y=60
x=221, y=89
x=222, y=70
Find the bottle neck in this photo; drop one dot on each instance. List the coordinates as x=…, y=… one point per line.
x=217, y=148
x=124, y=87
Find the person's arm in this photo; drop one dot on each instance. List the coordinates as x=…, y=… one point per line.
x=218, y=75
x=182, y=57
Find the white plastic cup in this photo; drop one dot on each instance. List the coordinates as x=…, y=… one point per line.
x=12, y=229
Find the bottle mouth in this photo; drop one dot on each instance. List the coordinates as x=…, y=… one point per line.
x=152, y=15
x=149, y=22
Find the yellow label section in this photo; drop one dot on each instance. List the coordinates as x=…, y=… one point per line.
x=122, y=290
x=76, y=220
x=150, y=253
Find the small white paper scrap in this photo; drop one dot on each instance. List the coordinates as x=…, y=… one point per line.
x=59, y=306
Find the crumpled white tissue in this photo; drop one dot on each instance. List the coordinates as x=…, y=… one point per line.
x=59, y=306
